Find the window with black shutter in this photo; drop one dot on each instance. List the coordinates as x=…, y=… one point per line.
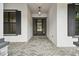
x=73, y=19
x=12, y=22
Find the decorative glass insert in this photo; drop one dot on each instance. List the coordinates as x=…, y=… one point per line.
x=39, y=25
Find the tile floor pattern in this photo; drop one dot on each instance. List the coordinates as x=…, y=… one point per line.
x=39, y=46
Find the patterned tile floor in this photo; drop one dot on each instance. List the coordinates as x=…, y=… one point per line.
x=39, y=46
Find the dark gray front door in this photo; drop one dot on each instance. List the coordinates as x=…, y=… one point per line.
x=39, y=26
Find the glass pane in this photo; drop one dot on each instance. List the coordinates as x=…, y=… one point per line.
x=14, y=28
x=9, y=22
x=5, y=16
x=6, y=28
x=39, y=25
x=11, y=27
x=12, y=17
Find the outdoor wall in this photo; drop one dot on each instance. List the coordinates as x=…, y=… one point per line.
x=63, y=40
x=42, y=15
x=25, y=22
x=30, y=24
x=57, y=23
x=1, y=20
x=52, y=24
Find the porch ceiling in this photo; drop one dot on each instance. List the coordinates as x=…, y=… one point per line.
x=44, y=7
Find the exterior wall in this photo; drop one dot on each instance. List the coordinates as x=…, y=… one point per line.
x=52, y=24
x=56, y=24
x=42, y=15
x=30, y=26
x=25, y=22
x=1, y=20
x=63, y=40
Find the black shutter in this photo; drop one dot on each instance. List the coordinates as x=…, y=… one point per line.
x=71, y=19
x=18, y=22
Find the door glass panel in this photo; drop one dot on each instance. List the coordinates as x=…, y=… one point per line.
x=39, y=25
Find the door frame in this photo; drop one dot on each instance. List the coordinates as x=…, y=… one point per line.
x=42, y=25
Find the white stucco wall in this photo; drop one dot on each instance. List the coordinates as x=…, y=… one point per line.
x=52, y=24
x=25, y=22
x=56, y=24
x=1, y=20
x=30, y=24
x=42, y=15
x=63, y=40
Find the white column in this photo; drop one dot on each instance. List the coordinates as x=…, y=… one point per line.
x=1, y=20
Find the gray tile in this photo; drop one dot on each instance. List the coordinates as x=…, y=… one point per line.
x=39, y=46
